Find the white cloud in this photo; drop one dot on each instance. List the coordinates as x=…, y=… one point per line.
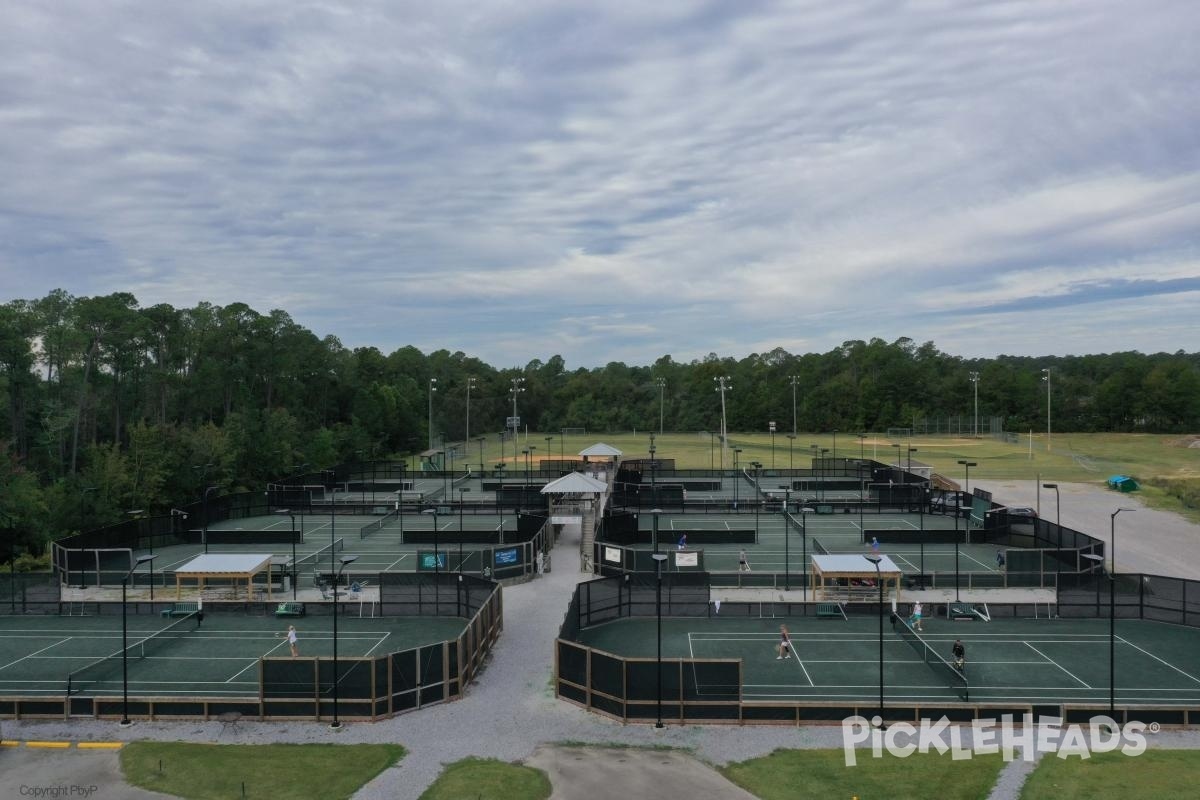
x=686, y=178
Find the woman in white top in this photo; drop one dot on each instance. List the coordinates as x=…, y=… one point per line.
x=291, y=638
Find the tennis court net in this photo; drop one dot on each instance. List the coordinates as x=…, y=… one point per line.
x=955, y=679
x=101, y=669
x=314, y=559
x=818, y=548
x=375, y=527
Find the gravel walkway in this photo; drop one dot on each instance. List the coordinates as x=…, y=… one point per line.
x=511, y=709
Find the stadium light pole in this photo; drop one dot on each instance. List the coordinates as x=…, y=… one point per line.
x=875, y=559
x=791, y=444
x=482, y=466
x=516, y=389
x=142, y=559
x=432, y=389
x=771, y=428
x=835, y=433
x=662, y=386
x=293, y=564
x=974, y=378
x=1046, y=378
x=336, y=724
x=462, y=501
x=659, y=558
x=794, y=379
x=723, y=385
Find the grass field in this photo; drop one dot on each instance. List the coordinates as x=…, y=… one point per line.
x=794, y=774
x=1115, y=776
x=294, y=771
x=488, y=779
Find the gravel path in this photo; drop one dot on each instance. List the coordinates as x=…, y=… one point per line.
x=511, y=709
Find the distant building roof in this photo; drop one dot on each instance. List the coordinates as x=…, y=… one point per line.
x=575, y=483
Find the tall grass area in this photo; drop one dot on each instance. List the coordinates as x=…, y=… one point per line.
x=294, y=771
x=799, y=774
x=1115, y=776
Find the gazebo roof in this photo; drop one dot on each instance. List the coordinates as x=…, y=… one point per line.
x=575, y=483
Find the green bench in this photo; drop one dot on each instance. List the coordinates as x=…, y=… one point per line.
x=180, y=609
x=830, y=611
x=289, y=610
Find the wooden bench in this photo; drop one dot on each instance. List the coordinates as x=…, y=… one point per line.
x=289, y=610
x=830, y=611
x=180, y=609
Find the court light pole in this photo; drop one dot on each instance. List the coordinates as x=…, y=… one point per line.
x=757, y=495
x=967, y=473
x=875, y=559
x=1112, y=614
x=336, y=724
x=550, y=447
x=1058, y=533
x=436, y=561
x=835, y=433
x=462, y=501
x=142, y=559
x=482, y=466
x=499, y=497
x=736, y=477
x=204, y=503
x=787, y=496
x=862, y=454
x=824, y=472
x=293, y=564
x=804, y=550
x=659, y=558
x=791, y=443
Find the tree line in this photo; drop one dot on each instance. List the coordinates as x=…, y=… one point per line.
x=111, y=406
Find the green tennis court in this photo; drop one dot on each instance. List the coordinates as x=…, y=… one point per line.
x=1008, y=660
x=216, y=657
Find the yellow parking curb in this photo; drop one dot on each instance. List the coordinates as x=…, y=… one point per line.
x=100, y=745
x=9, y=743
x=49, y=745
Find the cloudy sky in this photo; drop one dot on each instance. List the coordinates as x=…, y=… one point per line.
x=617, y=180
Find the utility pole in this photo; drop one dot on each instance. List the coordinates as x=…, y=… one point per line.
x=975, y=380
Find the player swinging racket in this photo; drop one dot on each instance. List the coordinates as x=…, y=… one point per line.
x=785, y=643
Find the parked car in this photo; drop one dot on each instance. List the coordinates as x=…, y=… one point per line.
x=1021, y=512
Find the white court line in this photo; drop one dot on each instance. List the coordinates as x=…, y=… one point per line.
x=1055, y=663
x=254, y=662
x=31, y=655
x=1156, y=658
x=377, y=644
x=388, y=568
x=801, y=663
x=905, y=560
x=987, y=567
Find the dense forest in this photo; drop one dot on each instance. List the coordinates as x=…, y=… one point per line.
x=110, y=405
